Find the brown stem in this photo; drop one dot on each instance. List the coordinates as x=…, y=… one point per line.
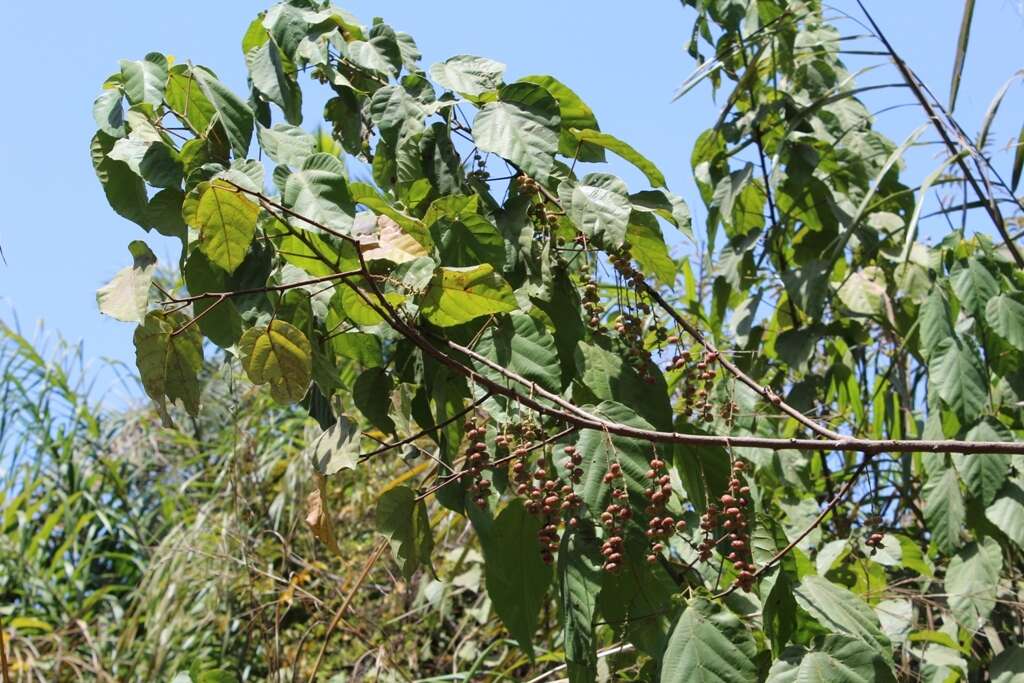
x=3, y=654
x=584, y=420
x=268, y=288
x=344, y=606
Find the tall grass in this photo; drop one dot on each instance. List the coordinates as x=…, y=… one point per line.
x=133, y=551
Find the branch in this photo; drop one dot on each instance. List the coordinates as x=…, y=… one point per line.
x=3, y=655
x=268, y=288
x=571, y=414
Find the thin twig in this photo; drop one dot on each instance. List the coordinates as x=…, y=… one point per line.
x=344, y=606
x=424, y=432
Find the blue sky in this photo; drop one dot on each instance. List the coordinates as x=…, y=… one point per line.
x=61, y=241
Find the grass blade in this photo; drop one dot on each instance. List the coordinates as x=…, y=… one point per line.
x=961, y=52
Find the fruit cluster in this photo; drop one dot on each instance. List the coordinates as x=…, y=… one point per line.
x=659, y=524
x=547, y=495
x=697, y=383
x=734, y=504
x=477, y=460
x=614, y=519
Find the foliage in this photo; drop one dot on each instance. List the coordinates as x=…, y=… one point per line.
x=790, y=450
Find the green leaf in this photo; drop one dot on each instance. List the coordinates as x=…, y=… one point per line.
x=271, y=79
x=863, y=293
x=403, y=521
x=223, y=324
x=468, y=75
x=807, y=286
x=666, y=204
x=280, y=355
x=579, y=578
x=778, y=613
x=600, y=449
x=226, y=221
x=188, y=101
x=835, y=658
x=1005, y=315
x=974, y=286
x=607, y=375
x=336, y=449
x=935, y=321
x=599, y=206
x=153, y=160
x=944, y=509
x=398, y=115
x=984, y=473
x=318, y=192
x=1007, y=512
x=521, y=126
x=517, y=578
x=649, y=249
x=359, y=347
x=972, y=580
x=523, y=345
x=169, y=363
x=709, y=645
x=637, y=601
x=464, y=237
x=575, y=114
x=145, y=81
x=125, y=191
x=232, y=112
x=372, y=395
x=126, y=296
x=1008, y=666
x=358, y=310
x=839, y=610
x=286, y=144
x=957, y=372
x=613, y=144
x=458, y=295
x=704, y=470
x=381, y=54
x=108, y=111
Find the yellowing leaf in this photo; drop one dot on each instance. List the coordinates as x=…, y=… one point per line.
x=278, y=354
x=318, y=517
x=458, y=295
x=393, y=244
x=227, y=223
x=126, y=296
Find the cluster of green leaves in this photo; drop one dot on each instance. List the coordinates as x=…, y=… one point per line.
x=360, y=298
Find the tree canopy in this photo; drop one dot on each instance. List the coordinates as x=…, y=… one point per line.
x=786, y=447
